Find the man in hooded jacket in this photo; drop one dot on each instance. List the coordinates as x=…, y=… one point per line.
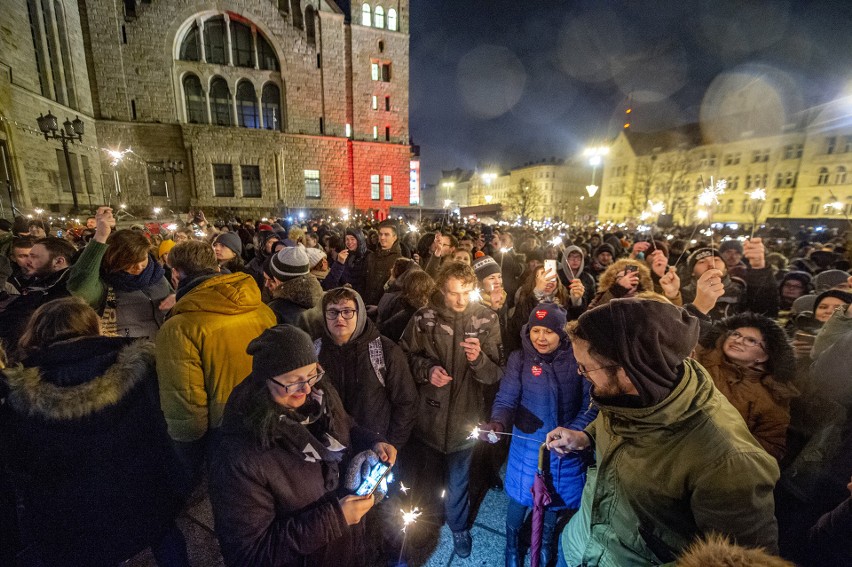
x=674, y=458
x=573, y=276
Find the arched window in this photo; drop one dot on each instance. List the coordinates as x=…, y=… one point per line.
x=241, y=45
x=840, y=176
x=52, y=51
x=296, y=12
x=310, y=26
x=270, y=100
x=823, y=176
x=196, y=109
x=266, y=57
x=815, y=206
x=65, y=50
x=220, y=102
x=190, y=49
x=392, y=19
x=40, y=61
x=215, y=41
x=379, y=17
x=247, y=106
x=366, y=16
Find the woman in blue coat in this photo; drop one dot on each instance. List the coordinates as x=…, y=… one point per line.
x=541, y=389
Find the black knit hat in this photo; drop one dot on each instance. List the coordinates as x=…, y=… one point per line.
x=700, y=254
x=484, y=267
x=649, y=339
x=843, y=296
x=604, y=248
x=280, y=349
x=550, y=316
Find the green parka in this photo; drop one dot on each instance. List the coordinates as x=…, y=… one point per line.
x=201, y=351
x=667, y=474
x=446, y=415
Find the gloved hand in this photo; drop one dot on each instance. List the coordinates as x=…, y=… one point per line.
x=359, y=468
x=486, y=431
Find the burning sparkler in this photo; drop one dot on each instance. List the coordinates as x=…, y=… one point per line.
x=402, y=488
x=492, y=435
x=410, y=517
x=475, y=295
x=758, y=196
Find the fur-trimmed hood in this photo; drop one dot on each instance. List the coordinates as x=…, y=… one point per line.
x=305, y=291
x=610, y=276
x=781, y=363
x=32, y=395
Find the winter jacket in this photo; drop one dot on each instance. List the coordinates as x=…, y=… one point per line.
x=278, y=505
x=830, y=540
x=666, y=474
x=371, y=374
x=88, y=451
x=137, y=313
x=446, y=415
x=566, y=274
x=17, y=312
x=537, y=394
x=379, y=264
x=757, y=292
x=201, y=351
x=298, y=302
x=764, y=403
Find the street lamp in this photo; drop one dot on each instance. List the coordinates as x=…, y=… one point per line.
x=488, y=199
x=448, y=185
x=71, y=131
x=174, y=167
x=595, y=155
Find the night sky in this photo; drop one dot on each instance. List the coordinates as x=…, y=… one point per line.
x=498, y=81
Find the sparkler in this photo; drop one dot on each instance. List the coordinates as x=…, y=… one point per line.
x=474, y=434
x=410, y=517
x=758, y=196
x=475, y=295
x=402, y=488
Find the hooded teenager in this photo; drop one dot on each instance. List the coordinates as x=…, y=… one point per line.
x=573, y=267
x=350, y=266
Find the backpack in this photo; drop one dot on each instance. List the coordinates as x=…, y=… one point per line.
x=377, y=357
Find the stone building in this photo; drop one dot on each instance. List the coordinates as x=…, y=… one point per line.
x=802, y=168
x=234, y=105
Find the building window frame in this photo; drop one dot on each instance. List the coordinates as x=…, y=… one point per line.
x=313, y=184
x=223, y=180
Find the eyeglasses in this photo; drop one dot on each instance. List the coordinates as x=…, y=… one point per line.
x=332, y=314
x=299, y=386
x=748, y=341
x=582, y=369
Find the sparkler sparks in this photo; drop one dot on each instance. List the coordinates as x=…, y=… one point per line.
x=710, y=196
x=116, y=155
x=409, y=517
x=402, y=488
x=475, y=295
x=758, y=195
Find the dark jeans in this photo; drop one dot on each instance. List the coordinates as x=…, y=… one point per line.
x=457, y=502
x=442, y=481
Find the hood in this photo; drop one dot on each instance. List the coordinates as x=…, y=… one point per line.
x=565, y=269
x=363, y=323
x=359, y=236
x=305, y=291
x=32, y=395
x=608, y=278
x=227, y=294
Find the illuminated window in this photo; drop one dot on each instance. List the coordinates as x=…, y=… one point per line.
x=366, y=16
x=392, y=19
x=348, y=130
x=375, y=189
x=196, y=107
x=220, y=102
x=379, y=17
x=375, y=104
x=388, y=188
x=374, y=71
x=375, y=132
x=312, y=183
x=270, y=102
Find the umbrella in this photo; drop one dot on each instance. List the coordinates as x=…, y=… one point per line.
x=541, y=498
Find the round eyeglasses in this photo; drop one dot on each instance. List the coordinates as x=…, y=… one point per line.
x=748, y=341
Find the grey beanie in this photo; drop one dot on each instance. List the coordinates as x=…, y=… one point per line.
x=230, y=240
x=289, y=263
x=279, y=350
x=828, y=279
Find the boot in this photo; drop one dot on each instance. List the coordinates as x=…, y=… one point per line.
x=547, y=556
x=513, y=557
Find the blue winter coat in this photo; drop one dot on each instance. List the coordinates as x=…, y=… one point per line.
x=535, y=405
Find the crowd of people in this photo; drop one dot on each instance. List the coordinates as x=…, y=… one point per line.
x=678, y=394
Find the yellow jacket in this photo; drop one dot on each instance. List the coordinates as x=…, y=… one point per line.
x=201, y=351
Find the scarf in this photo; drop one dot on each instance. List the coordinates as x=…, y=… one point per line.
x=122, y=281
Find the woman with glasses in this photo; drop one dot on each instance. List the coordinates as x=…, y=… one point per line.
x=275, y=479
x=752, y=364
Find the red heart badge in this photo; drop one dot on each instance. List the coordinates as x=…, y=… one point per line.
x=536, y=370
x=540, y=314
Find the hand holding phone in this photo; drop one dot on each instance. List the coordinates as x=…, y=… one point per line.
x=372, y=481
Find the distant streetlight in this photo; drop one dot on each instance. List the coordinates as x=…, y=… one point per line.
x=488, y=199
x=447, y=203
x=595, y=155
x=71, y=131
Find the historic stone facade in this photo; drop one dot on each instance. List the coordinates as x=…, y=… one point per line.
x=268, y=104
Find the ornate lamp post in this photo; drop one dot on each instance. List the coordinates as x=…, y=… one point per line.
x=595, y=156
x=174, y=167
x=71, y=131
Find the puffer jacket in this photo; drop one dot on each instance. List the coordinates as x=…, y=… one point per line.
x=277, y=504
x=87, y=449
x=298, y=302
x=378, y=267
x=385, y=403
x=763, y=402
x=537, y=394
x=446, y=415
x=201, y=351
x=666, y=474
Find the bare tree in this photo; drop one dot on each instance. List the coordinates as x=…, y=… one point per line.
x=524, y=199
x=661, y=177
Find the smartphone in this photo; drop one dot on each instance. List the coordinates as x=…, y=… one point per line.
x=550, y=266
x=805, y=337
x=630, y=269
x=372, y=481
